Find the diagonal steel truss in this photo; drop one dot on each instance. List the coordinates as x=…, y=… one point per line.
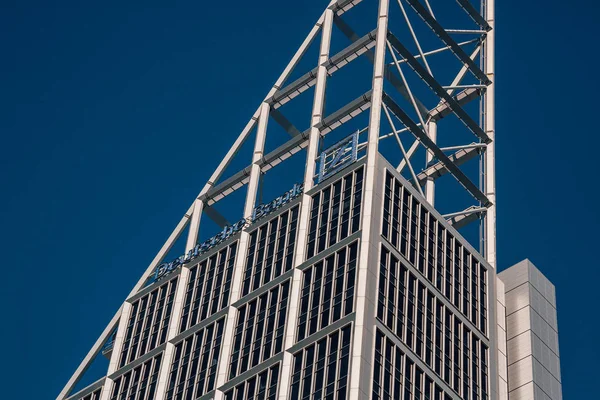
x=396, y=71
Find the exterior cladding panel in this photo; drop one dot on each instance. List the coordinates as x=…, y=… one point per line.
x=532, y=334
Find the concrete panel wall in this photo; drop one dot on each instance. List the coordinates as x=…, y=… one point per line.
x=531, y=334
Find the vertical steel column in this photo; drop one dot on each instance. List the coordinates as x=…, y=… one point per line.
x=430, y=184
x=113, y=364
x=240, y=259
x=165, y=367
x=490, y=129
x=362, y=344
x=309, y=173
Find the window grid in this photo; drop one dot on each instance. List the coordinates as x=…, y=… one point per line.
x=262, y=386
x=395, y=375
x=194, y=366
x=327, y=291
x=435, y=252
x=95, y=395
x=429, y=328
x=271, y=250
x=320, y=370
x=208, y=287
x=335, y=212
x=148, y=322
x=259, y=330
x=139, y=383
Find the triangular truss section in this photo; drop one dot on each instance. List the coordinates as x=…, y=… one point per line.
x=431, y=96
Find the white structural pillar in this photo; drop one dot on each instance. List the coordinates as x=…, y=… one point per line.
x=362, y=343
x=490, y=129
x=502, y=388
x=227, y=341
x=165, y=367
x=309, y=173
x=430, y=183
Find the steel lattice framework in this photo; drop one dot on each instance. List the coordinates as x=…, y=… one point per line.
x=408, y=98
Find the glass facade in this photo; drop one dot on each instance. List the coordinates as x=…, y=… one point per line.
x=259, y=329
x=396, y=376
x=433, y=250
x=320, y=370
x=148, y=322
x=208, y=287
x=327, y=291
x=138, y=383
x=426, y=328
x=194, y=367
x=271, y=250
x=262, y=386
x=335, y=212
x=433, y=297
x=94, y=395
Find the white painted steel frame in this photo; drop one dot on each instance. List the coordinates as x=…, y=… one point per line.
x=373, y=100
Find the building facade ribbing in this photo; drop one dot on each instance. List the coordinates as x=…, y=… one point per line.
x=429, y=312
x=354, y=287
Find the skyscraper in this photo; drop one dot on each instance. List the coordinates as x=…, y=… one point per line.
x=350, y=283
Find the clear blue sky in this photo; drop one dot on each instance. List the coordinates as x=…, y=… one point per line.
x=106, y=114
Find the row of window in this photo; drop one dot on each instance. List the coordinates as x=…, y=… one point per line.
x=148, y=322
x=395, y=375
x=271, y=250
x=139, y=383
x=335, y=212
x=208, y=287
x=259, y=330
x=430, y=329
x=327, y=291
x=95, y=395
x=435, y=252
x=320, y=370
x=194, y=366
x=262, y=386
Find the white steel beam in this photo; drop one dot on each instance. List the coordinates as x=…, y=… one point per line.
x=411, y=152
x=437, y=88
x=412, y=171
x=389, y=74
x=173, y=329
x=490, y=128
x=280, y=81
x=362, y=340
x=430, y=183
x=240, y=260
x=445, y=37
x=421, y=135
x=309, y=173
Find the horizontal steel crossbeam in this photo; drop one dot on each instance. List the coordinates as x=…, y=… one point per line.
x=428, y=143
x=445, y=37
x=462, y=98
x=306, y=81
x=474, y=14
x=342, y=6
x=438, y=169
x=389, y=73
x=288, y=149
x=471, y=214
x=437, y=88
